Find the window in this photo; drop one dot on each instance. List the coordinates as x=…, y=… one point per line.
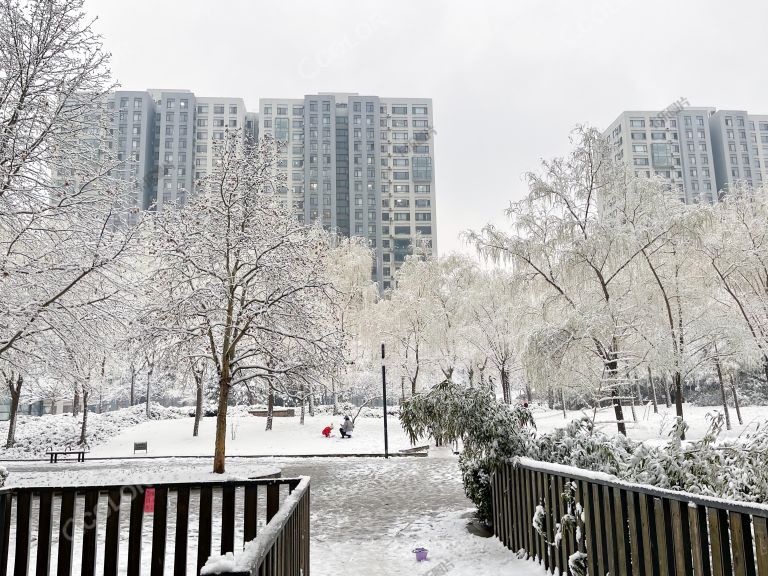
x=399, y=109
x=424, y=230
x=137, y=103
x=202, y=109
x=170, y=103
x=281, y=129
x=183, y=103
x=419, y=110
x=298, y=110
x=403, y=175
x=402, y=216
x=233, y=109
x=641, y=161
x=422, y=168
x=638, y=136
x=402, y=188
x=423, y=216
x=636, y=123
x=282, y=110
x=402, y=229
x=422, y=188
x=658, y=136
x=642, y=148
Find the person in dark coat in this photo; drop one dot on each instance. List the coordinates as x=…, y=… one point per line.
x=347, y=427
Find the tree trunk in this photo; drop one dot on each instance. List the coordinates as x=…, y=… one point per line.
x=402, y=389
x=270, y=406
x=653, y=391
x=15, y=391
x=221, y=419
x=528, y=393
x=562, y=399
x=613, y=376
x=84, y=427
x=679, y=398
x=198, y=404
x=667, y=396
x=149, y=378
x=334, y=396
x=550, y=397
x=311, y=401
x=133, y=383
x=632, y=405
x=303, y=403
x=505, y=385
x=723, y=396
x=736, y=400
x=76, y=402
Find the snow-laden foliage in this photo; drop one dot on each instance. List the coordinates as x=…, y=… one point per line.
x=492, y=432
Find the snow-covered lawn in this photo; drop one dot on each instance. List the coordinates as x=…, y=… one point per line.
x=288, y=437
x=652, y=427
x=37, y=434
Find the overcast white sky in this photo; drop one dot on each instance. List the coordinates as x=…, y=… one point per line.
x=509, y=79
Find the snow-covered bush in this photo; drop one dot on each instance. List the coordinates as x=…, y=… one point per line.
x=492, y=432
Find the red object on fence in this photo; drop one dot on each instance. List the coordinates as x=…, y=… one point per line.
x=149, y=500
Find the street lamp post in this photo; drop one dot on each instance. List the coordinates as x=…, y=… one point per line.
x=384, y=403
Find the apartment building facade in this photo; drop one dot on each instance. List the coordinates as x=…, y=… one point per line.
x=359, y=165
x=362, y=165
x=701, y=152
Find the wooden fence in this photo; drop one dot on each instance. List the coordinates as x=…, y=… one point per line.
x=625, y=529
x=282, y=548
x=106, y=529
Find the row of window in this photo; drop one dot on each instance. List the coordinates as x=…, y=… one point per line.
x=398, y=109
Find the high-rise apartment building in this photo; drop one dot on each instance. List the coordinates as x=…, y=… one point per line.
x=700, y=151
x=362, y=165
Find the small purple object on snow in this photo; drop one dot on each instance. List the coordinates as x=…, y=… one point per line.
x=421, y=554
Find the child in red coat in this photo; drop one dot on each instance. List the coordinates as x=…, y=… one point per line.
x=327, y=431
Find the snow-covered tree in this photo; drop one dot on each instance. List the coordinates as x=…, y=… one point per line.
x=250, y=277
x=62, y=208
x=576, y=239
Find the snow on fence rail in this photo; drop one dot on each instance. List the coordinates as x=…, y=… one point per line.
x=623, y=528
x=281, y=549
x=104, y=529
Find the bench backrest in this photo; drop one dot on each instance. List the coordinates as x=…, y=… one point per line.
x=139, y=446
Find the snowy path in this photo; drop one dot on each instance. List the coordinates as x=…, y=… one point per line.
x=367, y=514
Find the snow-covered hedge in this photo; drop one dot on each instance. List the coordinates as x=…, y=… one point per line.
x=494, y=433
x=35, y=435
x=351, y=409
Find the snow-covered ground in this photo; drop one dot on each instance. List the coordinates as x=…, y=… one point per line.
x=37, y=434
x=287, y=437
x=652, y=427
x=368, y=514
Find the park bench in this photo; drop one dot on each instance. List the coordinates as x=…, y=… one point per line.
x=54, y=455
x=139, y=446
